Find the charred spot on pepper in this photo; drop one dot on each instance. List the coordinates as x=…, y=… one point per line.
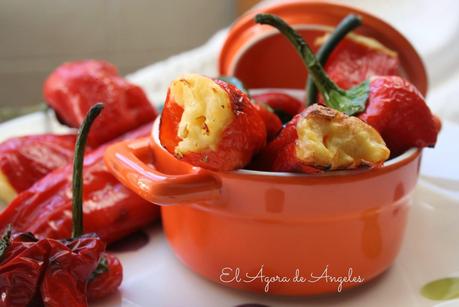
x=185, y=81
x=179, y=155
x=205, y=158
x=5, y=241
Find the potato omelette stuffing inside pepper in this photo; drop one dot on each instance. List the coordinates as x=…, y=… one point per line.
x=211, y=124
x=321, y=138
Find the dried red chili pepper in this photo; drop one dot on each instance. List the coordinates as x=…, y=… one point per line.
x=390, y=104
x=24, y=160
x=210, y=123
x=322, y=138
x=75, y=86
x=111, y=210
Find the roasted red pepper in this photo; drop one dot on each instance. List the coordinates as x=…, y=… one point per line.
x=22, y=262
x=272, y=122
x=399, y=112
x=69, y=267
x=53, y=272
x=322, y=138
x=107, y=277
x=283, y=105
x=390, y=104
x=111, y=210
x=270, y=116
x=75, y=86
x=24, y=160
x=210, y=123
x=357, y=58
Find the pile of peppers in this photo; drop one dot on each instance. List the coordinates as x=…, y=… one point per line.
x=38, y=263
x=390, y=104
x=111, y=210
x=360, y=90
x=49, y=272
x=36, y=171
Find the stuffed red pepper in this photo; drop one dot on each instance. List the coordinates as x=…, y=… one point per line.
x=210, y=123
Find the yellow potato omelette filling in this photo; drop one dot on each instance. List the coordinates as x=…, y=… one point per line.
x=206, y=113
x=332, y=140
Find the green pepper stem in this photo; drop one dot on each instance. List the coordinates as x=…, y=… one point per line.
x=77, y=177
x=349, y=23
x=350, y=102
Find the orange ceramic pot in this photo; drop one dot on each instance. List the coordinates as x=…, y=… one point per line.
x=281, y=233
x=242, y=227
x=261, y=58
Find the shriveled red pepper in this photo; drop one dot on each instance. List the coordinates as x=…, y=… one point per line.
x=111, y=210
x=107, y=277
x=322, y=138
x=69, y=267
x=54, y=272
x=75, y=86
x=24, y=160
x=390, y=104
x=22, y=262
x=210, y=123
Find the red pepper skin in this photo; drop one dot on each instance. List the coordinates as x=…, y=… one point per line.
x=70, y=265
x=322, y=138
x=272, y=122
x=110, y=209
x=108, y=282
x=353, y=62
x=397, y=110
x=279, y=155
x=21, y=267
x=240, y=140
x=25, y=160
x=75, y=86
x=48, y=271
x=281, y=102
x=395, y=107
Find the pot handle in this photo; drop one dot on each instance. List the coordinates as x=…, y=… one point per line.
x=125, y=160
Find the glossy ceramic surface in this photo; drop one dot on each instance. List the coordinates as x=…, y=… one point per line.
x=261, y=57
x=351, y=223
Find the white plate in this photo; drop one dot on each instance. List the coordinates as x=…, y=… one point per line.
x=154, y=277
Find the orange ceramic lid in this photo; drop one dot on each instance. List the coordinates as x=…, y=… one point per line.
x=261, y=58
